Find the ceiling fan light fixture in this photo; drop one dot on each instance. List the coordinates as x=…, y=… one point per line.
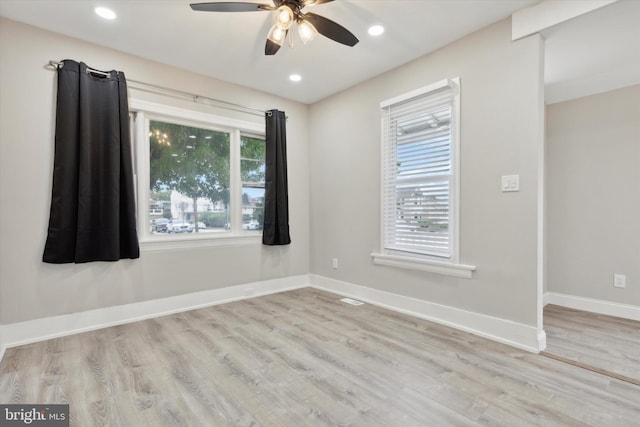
x=286, y=13
x=307, y=31
x=277, y=35
x=283, y=17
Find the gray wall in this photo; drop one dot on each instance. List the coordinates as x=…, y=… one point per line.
x=593, y=209
x=502, y=133
x=334, y=167
x=29, y=288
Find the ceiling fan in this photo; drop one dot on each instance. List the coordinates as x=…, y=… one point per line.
x=286, y=13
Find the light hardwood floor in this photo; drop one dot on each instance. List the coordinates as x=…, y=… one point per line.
x=594, y=340
x=303, y=358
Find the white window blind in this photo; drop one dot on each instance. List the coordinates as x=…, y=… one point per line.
x=418, y=173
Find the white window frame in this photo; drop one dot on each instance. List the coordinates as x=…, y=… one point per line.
x=146, y=111
x=425, y=262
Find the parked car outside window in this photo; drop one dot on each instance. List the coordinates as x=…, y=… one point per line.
x=179, y=226
x=251, y=225
x=159, y=225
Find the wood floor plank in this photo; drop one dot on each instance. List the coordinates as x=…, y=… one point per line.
x=303, y=358
x=591, y=339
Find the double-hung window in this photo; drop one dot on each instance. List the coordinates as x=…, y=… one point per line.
x=420, y=134
x=200, y=177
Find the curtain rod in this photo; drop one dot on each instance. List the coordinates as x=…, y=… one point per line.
x=162, y=90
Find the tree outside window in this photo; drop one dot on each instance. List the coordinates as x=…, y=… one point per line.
x=190, y=175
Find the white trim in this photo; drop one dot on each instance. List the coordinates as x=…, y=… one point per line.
x=505, y=331
x=146, y=111
x=541, y=248
x=455, y=147
x=206, y=240
x=493, y=328
x=546, y=14
x=30, y=331
x=542, y=340
x=387, y=257
x=221, y=122
x=421, y=91
x=381, y=183
x=141, y=184
x=235, y=190
x=608, y=308
x=424, y=264
x=3, y=346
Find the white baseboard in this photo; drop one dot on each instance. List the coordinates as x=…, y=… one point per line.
x=505, y=331
x=497, y=329
x=3, y=347
x=30, y=331
x=624, y=311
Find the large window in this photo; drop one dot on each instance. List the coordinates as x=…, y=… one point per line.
x=199, y=176
x=420, y=133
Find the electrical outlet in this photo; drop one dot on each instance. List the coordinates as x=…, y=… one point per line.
x=619, y=280
x=334, y=263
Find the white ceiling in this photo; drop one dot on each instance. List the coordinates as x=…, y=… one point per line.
x=230, y=46
x=595, y=52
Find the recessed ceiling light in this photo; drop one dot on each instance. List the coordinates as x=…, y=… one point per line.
x=295, y=77
x=376, y=30
x=105, y=13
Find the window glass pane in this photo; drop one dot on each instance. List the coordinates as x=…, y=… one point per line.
x=252, y=171
x=252, y=208
x=422, y=217
x=252, y=157
x=189, y=179
x=252, y=164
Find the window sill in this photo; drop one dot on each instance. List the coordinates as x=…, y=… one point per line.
x=432, y=266
x=151, y=244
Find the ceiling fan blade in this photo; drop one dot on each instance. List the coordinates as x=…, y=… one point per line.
x=314, y=2
x=271, y=48
x=227, y=6
x=330, y=29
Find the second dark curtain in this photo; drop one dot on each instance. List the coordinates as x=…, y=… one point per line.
x=92, y=214
x=276, y=197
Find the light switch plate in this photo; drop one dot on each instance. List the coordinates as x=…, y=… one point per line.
x=510, y=183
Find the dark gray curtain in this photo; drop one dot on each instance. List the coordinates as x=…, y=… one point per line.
x=92, y=214
x=276, y=197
